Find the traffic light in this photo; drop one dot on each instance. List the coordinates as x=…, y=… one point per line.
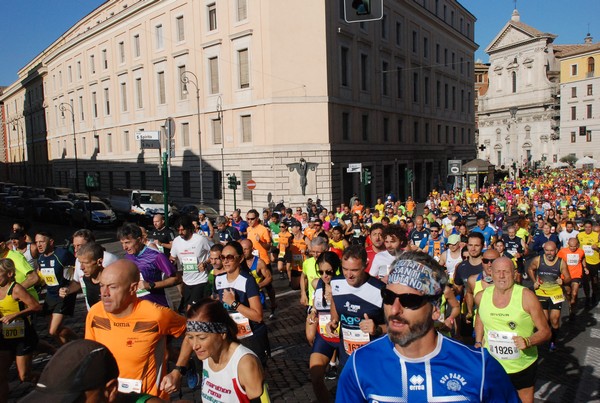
x=410, y=176
x=233, y=182
x=363, y=10
x=367, y=177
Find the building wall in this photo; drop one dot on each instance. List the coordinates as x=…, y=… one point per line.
x=580, y=105
x=291, y=104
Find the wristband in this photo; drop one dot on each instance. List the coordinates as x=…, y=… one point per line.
x=234, y=305
x=182, y=370
x=477, y=342
x=152, y=284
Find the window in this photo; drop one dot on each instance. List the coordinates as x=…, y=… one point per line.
x=179, y=25
x=345, y=126
x=81, y=107
x=446, y=57
x=185, y=134
x=69, y=74
x=384, y=78
x=399, y=83
x=384, y=27
x=106, y=102
x=453, y=98
x=590, y=90
x=415, y=87
x=79, y=70
x=94, y=105
x=462, y=135
x=386, y=129
x=109, y=143
x=83, y=146
x=138, y=93
x=573, y=92
x=162, y=98
x=426, y=90
x=182, y=94
x=364, y=74
x=136, y=46
x=415, y=132
x=92, y=65
x=414, y=41
x=454, y=135
x=213, y=68
x=462, y=68
x=573, y=137
x=514, y=82
x=437, y=52
x=345, y=61
x=499, y=157
x=589, y=111
x=446, y=96
x=462, y=100
x=217, y=132
x=244, y=68
x=400, y=130
x=365, y=127
x=425, y=47
x=588, y=136
x=126, y=145
x=573, y=69
x=158, y=33
x=212, y=17
x=453, y=61
x=427, y=134
x=447, y=134
x=398, y=34
x=438, y=93
x=122, y=52
x=123, y=87
x=591, y=67
x=104, y=59
x=187, y=184
x=246, y=128
x=439, y=134
x=97, y=144
x=573, y=113
x=242, y=10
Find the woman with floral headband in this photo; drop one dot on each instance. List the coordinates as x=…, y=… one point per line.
x=230, y=371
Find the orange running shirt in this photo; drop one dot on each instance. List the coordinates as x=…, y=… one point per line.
x=138, y=342
x=264, y=236
x=573, y=260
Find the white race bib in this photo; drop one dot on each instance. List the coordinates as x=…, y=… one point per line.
x=189, y=262
x=49, y=276
x=354, y=339
x=502, y=346
x=142, y=293
x=14, y=330
x=572, y=259
x=130, y=385
x=243, y=325
x=588, y=250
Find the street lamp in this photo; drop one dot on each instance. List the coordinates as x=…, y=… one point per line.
x=185, y=79
x=69, y=108
x=220, y=117
x=16, y=124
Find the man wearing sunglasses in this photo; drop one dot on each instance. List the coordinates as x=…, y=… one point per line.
x=259, y=235
x=415, y=363
x=357, y=304
x=481, y=281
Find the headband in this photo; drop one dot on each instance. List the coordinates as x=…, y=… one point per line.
x=206, y=327
x=416, y=275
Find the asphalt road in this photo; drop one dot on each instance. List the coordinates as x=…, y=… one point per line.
x=571, y=374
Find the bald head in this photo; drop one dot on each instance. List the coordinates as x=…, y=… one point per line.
x=491, y=254
x=118, y=286
x=247, y=248
x=573, y=243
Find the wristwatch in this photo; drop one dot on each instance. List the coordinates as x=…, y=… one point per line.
x=152, y=284
x=234, y=305
x=182, y=370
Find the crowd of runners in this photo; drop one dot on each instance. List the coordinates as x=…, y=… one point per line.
x=403, y=303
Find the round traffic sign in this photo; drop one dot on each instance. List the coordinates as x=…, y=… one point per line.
x=455, y=170
x=251, y=185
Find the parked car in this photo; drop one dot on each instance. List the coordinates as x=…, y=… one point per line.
x=101, y=214
x=57, y=193
x=31, y=208
x=9, y=205
x=192, y=211
x=56, y=211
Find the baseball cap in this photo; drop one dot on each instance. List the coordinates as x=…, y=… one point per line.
x=78, y=366
x=201, y=212
x=453, y=239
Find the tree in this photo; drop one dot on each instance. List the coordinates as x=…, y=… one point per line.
x=569, y=159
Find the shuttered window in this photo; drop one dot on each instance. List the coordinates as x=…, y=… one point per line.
x=244, y=68
x=213, y=66
x=246, y=129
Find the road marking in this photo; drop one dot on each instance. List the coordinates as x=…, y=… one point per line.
x=547, y=389
x=589, y=385
x=283, y=294
x=595, y=333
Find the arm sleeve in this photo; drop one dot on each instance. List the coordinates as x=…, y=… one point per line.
x=497, y=386
x=164, y=265
x=172, y=323
x=423, y=243
x=348, y=389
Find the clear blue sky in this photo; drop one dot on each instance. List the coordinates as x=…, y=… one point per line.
x=29, y=26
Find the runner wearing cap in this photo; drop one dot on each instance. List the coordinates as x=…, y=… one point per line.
x=415, y=363
x=510, y=324
x=452, y=257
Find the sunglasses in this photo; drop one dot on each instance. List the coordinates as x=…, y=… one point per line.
x=250, y=218
x=228, y=257
x=487, y=261
x=328, y=272
x=408, y=301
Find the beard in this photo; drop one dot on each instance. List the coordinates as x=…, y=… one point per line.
x=415, y=330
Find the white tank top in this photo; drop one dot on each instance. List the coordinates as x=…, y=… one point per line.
x=224, y=385
x=451, y=263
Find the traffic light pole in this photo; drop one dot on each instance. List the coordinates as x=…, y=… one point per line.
x=165, y=184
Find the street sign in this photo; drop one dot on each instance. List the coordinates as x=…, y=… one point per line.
x=152, y=144
x=149, y=135
x=454, y=167
x=251, y=185
x=354, y=168
x=170, y=127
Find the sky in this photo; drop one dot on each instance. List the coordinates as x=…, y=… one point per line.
x=568, y=19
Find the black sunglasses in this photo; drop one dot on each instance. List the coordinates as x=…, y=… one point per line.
x=487, y=261
x=328, y=272
x=408, y=301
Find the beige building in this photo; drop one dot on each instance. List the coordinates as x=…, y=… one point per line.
x=279, y=83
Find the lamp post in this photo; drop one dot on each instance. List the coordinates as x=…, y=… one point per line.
x=69, y=108
x=186, y=79
x=220, y=117
x=18, y=127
